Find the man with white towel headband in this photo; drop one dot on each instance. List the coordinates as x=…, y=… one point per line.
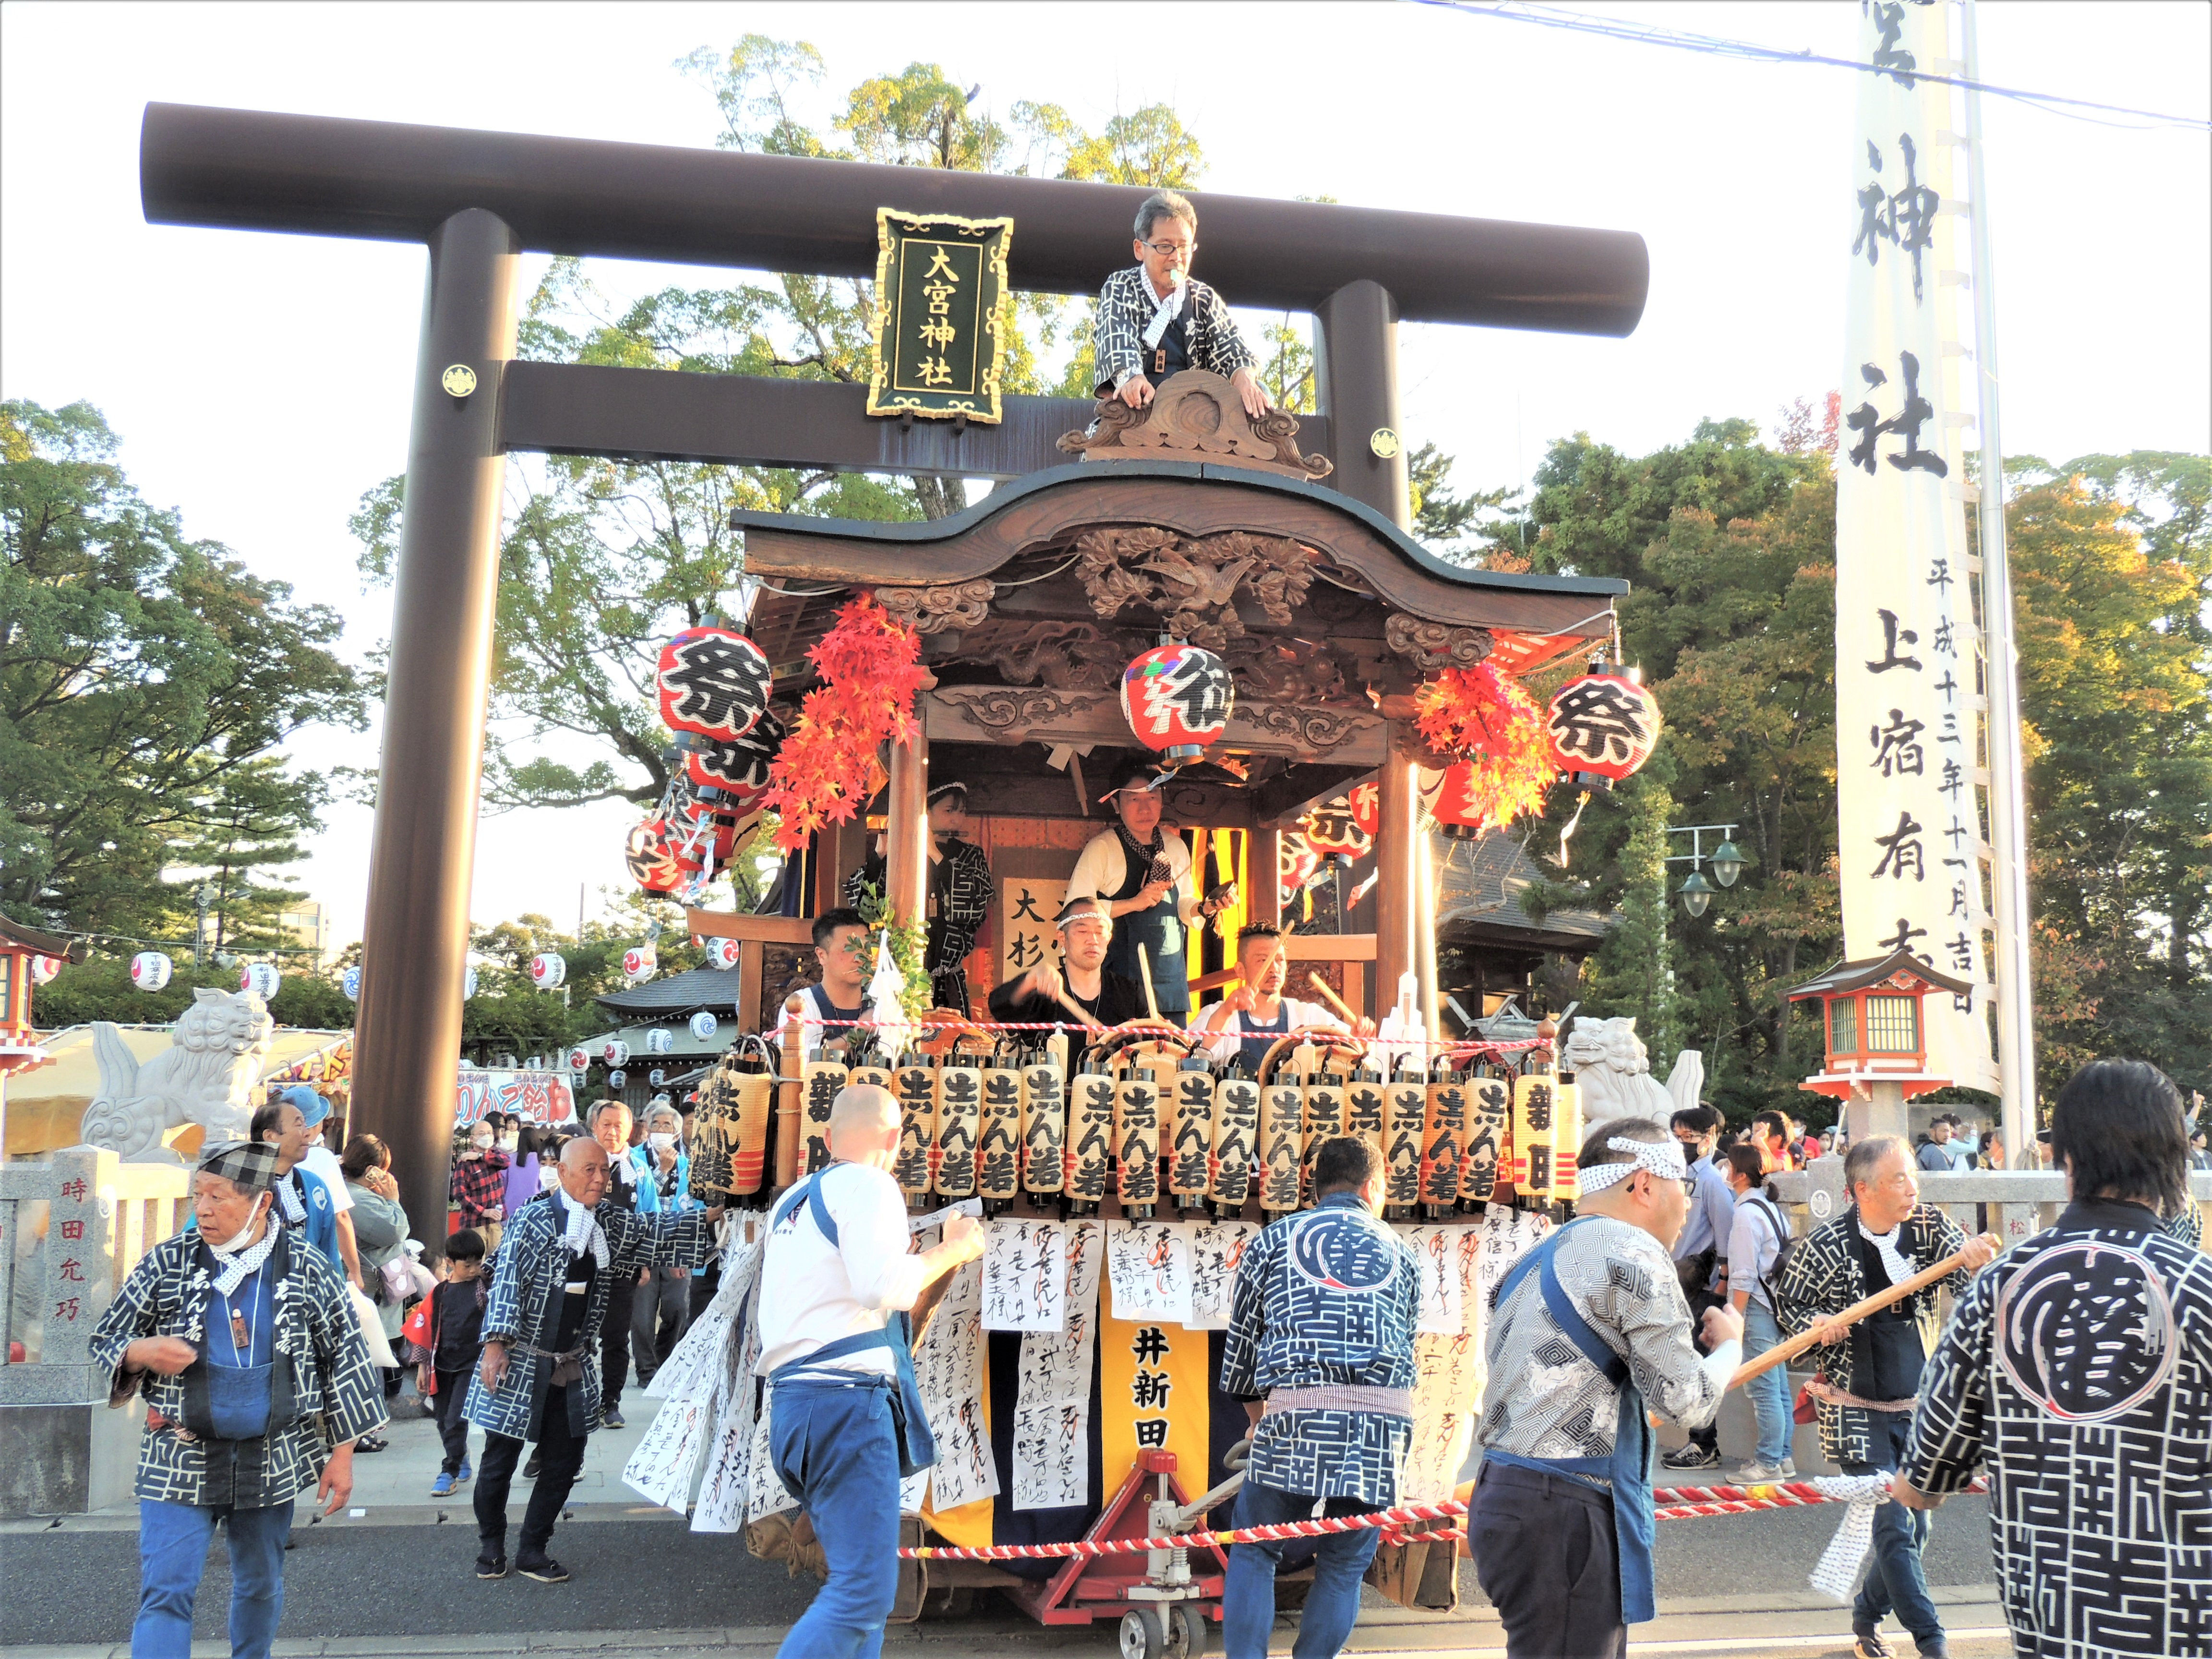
x=1589, y=1333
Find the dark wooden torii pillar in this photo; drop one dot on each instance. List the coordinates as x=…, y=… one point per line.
x=477, y=200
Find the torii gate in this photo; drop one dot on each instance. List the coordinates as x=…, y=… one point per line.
x=479, y=200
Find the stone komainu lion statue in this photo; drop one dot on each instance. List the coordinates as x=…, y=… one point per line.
x=206, y=1078
x=1613, y=1069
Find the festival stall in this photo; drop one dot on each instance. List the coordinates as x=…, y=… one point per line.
x=1322, y=688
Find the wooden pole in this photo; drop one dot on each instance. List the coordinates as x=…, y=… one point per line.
x=790, y=1095
x=1263, y=886
x=1425, y=934
x=907, y=849
x=1782, y=1353
x=1393, y=866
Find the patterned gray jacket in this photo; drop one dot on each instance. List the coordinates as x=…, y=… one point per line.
x=529, y=1275
x=320, y=1365
x=1824, y=1278
x=1125, y=305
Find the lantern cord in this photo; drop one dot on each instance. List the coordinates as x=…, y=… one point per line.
x=1581, y=801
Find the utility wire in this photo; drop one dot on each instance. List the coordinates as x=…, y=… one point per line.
x=1517, y=11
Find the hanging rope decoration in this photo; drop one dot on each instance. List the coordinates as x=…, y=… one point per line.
x=1505, y=761
x=871, y=667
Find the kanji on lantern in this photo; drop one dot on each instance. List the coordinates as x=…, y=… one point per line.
x=1603, y=726
x=738, y=765
x=713, y=681
x=722, y=953
x=547, y=970
x=1177, y=699
x=150, y=970
x=651, y=856
x=1334, y=833
x=1365, y=801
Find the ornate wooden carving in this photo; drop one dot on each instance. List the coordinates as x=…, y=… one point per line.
x=1278, y=672
x=1012, y=713
x=1433, y=645
x=1315, y=731
x=1197, y=414
x=1192, y=582
x=933, y=610
x=1066, y=656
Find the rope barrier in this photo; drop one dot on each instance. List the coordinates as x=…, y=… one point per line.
x=1685, y=1502
x=1472, y=1045
x=1393, y=1521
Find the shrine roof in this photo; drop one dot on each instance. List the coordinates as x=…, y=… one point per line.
x=1845, y=977
x=16, y=936
x=712, y=989
x=1481, y=881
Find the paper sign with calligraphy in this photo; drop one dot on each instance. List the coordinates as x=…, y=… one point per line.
x=1911, y=781
x=940, y=293
x=1027, y=905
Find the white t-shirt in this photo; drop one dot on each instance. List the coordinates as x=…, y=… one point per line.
x=1102, y=869
x=1303, y=1016
x=813, y=1292
x=323, y=1163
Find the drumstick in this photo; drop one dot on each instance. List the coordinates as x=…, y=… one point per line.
x=1144, y=973
x=1332, y=999
x=1065, y=1001
x=1782, y=1353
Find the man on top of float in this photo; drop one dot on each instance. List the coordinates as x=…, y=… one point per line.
x=1155, y=318
x=1254, y=1016
x=1144, y=875
x=1043, y=995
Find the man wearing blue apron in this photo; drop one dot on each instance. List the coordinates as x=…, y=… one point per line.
x=1256, y=1015
x=1588, y=1333
x=1144, y=874
x=845, y=1419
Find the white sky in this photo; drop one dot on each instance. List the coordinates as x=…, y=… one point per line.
x=261, y=383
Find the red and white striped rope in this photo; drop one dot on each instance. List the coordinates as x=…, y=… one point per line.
x=1394, y=1520
x=1472, y=1045
x=1685, y=1502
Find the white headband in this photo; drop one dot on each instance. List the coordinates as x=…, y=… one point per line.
x=1662, y=1157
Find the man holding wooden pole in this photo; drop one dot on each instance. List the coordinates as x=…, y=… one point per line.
x=1870, y=1364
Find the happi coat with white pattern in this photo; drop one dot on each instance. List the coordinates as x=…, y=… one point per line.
x=2078, y=1371
x=529, y=1275
x=336, y=1393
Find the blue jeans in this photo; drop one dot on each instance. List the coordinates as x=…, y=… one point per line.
x=1770, y=1394
x=172, y=1551
x=1248, y=1600
x=1895, y=1580
x=835, y=1449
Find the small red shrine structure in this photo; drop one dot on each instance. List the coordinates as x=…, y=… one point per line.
x=20, y=946
x=1871, y=1018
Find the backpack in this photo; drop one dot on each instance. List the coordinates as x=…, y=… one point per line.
x=1786, y=1240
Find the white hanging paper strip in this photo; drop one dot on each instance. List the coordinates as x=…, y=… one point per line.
x=722, y=1493
x=1443, y=1297
x=1148, y=1266
x=1052, y=1397
x=949, y=1370
x=1909, y=699
x=1216, y=1249
x=661, y=1466
x=1025, y=1276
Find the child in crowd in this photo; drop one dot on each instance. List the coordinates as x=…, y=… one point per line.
x=454, y=1340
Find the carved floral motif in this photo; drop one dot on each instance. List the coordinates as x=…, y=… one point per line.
x=1432, y=645
x=1192, y=582
x=1012, y=713
x=933, y=610
x=1196, y=413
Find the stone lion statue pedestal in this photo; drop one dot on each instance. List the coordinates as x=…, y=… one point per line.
x=205, y=1077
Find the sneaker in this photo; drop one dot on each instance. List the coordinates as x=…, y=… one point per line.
x=492, y=1566
x=1867, y=1642
x=1932, y=1647
x=462, y=1479
x=443, y=1485
x=1693, y=1456
x=1755, y=1473
x=545, y=1570
x=529, y=1469
x=613, y=1418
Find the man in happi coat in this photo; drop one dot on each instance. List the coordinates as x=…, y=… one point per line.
x=1321, y=1350
x=258, y=1382
x=1589, y=1332
x=1870, y=1370
x=2078, y=1371
x=958, y=902
x=1155, y=319
x=539, y=1376
x=1046, y=996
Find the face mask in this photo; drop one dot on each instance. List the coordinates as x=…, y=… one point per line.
x=549, y=1176
x=661, y=1143
x=481, y=1146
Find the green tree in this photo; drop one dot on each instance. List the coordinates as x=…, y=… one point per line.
x=147, y=683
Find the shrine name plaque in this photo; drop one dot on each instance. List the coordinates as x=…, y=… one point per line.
x=940, y=293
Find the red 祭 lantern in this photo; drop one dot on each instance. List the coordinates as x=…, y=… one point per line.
x=1176, y=699
x=1461, y=809
x=738, y=765
x=651, y=856
x=1332, y=832
x=1602, y=727
x=1366, y=803
x=1295, y=864
x=713, y=681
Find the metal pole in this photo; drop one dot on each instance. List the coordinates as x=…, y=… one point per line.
x=416, y=934
x=1356, y=357
x=2008, y=781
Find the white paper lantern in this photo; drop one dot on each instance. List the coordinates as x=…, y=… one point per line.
x=615, y=1079
x=150, y=970
x=261, y=978
x=468, y=981
x=580, y=1059
x=351, y=980
x=704, y=1025
x=547, y=970
x=656, y=1076
x=639, y=963
x=615, y=1052
x=43, y=970
x=658, y=1041
x=722, y=953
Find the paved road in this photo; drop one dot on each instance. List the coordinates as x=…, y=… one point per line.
x=347, y=1578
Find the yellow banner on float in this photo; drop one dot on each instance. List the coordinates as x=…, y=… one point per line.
x=1153, y=1396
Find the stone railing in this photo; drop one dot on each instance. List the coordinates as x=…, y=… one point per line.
x=71, y=1226
x=2011, y=1203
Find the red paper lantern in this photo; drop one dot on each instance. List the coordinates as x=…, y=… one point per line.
x=1295, y=865
x=1333, y=832
x=738, y=765
x=1366, y=802
x=1602, y=727
x=651, y=855
x=713, y=681
x=1176, y=699
x=1460, y=807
